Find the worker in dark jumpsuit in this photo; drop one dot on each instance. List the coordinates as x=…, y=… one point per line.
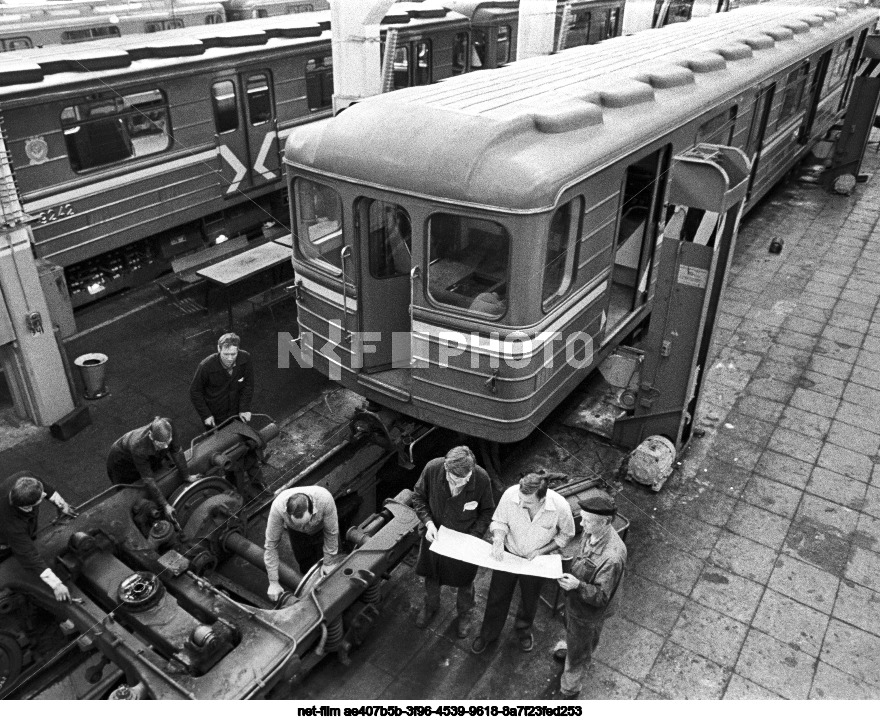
x=20, y=497
x=139, y=456
x=591, y=589
x=223, y=385
x=453, y=492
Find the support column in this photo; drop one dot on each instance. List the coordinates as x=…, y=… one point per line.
x=537, y=25
x=30, y=355
x=355, y=31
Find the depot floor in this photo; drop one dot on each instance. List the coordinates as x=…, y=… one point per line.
x=754, y=573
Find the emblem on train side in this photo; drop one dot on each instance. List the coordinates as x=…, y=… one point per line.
x=37, y=149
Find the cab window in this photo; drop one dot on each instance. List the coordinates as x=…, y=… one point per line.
x=389, y=239
x=108, y=130
x=318, y=223
x=468, y=264
x=559, y=258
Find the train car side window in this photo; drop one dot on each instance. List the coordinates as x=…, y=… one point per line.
x=468, y=264
x=559, y=259
x=579, y=30
x=401, y=67
x=502, y=45
x=423, y=63
x=319, y=82
x=259, y=99
x=389, y=238
x=96, y=33
x=109, y=130
x=793, y=95
x=478, y=50
x=19, y=43
x=213, y=19
x=460, y=54
x=837, y=69
x=719, y=129
x=318, y=223
x=225, y=106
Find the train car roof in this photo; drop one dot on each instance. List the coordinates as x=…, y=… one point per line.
x=516, y=137
x=54, y=67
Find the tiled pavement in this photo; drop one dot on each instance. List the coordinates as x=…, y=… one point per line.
x=762, y=560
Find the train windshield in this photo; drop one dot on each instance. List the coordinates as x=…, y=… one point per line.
x=319, y=223
x=468, y=265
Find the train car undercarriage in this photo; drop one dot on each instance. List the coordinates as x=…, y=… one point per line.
x=181, y=613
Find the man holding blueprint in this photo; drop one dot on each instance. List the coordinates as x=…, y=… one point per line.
x=530, y=521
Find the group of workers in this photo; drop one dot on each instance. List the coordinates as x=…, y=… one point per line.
x=221, y=389
x=530, y=520
x=454, y=492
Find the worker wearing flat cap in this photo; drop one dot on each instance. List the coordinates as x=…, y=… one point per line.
x=591, y=589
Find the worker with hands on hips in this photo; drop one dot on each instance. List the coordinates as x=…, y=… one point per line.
x=20, y=497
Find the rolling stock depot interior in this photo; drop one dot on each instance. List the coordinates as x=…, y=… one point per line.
x=753, y=572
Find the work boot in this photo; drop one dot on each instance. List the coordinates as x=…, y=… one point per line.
x=463, y=625
x=560, y=651
x=425, y=616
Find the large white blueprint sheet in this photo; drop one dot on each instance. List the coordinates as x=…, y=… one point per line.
x=464, y=547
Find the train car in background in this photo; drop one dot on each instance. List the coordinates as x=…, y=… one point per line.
x=651, y=14
x=60, y=23
x=494, y=25
x=467, y=253
x=249, y=9
x=132, y=150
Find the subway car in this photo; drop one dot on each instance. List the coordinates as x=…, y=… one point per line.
x=248, y=9
x=27, y=25
x=174, y=137
x=494, y=25
x=467, y=253
x=647, y=14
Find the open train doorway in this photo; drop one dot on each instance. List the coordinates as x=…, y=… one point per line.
x=636, y=238
x=385, y=287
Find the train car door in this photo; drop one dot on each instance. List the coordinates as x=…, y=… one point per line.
x=636, y=238
x=244, y=121
x=763, y=103
x=385, y=232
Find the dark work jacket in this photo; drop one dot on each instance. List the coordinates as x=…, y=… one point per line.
x=18, y=528
x=433, y=501
x=216, y=392
x=600, y=569
x=134, y=458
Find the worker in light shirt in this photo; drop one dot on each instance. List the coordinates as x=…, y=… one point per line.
x=531, y=520
x=308, y=513
x=20, y=497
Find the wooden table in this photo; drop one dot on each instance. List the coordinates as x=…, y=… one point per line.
x=285, y=240
x=230, y=271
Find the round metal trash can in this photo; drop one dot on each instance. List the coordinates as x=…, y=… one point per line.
x=92, y=367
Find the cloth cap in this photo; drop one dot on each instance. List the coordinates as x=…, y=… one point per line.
x=600, y=503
